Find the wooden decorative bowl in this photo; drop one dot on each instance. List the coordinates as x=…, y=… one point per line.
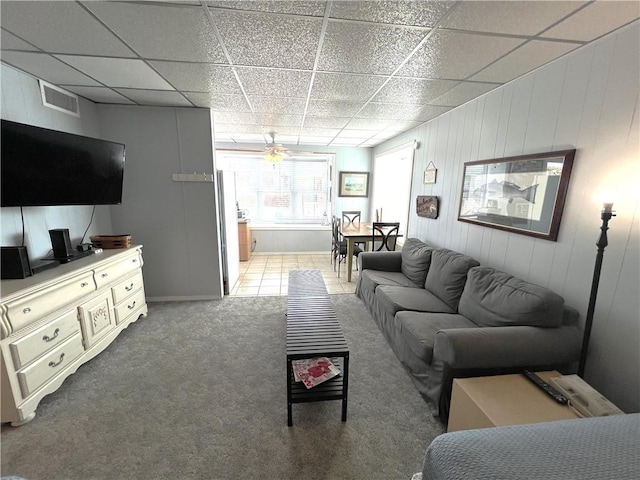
x=111, y=241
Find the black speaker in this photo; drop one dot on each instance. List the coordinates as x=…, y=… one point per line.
x=15, y=263
x=61, y=243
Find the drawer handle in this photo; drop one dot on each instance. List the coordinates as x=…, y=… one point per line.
x=135, y=260
x=55, y=364
x=47, y=338
x=129, y=288
x=84, y=284
x=26, y=310
x=132, y=306
x=104, y=275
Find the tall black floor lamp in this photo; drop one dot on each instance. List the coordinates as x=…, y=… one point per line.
x=607, y=213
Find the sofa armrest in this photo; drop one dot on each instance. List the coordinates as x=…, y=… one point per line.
x=499, y=347
x=383, y=261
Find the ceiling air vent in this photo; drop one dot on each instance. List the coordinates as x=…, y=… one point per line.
x=58, y=99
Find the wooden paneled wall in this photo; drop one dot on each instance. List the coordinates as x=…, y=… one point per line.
x=588, y=100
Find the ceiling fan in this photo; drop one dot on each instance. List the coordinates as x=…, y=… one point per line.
x=274, y=152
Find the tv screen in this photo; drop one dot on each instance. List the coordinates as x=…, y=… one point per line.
x=41, y=167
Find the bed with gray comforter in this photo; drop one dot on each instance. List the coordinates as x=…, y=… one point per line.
x=600, y=448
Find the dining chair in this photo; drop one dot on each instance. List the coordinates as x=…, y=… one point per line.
x=340, y=253
x=386, y=233
x=350, y=217
x=334, y=237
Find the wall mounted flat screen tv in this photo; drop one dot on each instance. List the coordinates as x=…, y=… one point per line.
x=42, y=167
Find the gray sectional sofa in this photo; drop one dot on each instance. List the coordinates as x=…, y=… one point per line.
x=446, y=316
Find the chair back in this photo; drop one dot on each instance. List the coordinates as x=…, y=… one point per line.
x=350, y=217
x=386, y=233
x=335, y=228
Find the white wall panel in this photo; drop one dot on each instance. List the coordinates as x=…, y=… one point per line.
x=21, y=102
x=588, y=100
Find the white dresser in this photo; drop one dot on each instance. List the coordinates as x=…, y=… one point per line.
x=53, y=322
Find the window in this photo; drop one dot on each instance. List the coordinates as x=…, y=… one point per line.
x=294, y=191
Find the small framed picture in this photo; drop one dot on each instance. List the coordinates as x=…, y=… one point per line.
x=427, y=206
x=430, y=173
x=354, y=184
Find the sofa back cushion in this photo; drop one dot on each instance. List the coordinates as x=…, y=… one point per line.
x=416, y=258
x=447, y=275
x=492, y=298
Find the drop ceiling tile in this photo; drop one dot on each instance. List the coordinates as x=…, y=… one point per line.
x=230, y=128
x=325, y=122
x=332, y=108
x=595, y=20
x=369, y=123
x=280, y=131
x=342, y=86
x=274, y=82
x=248, y=138
x=287, y=139
x=279, y=120
x=199, y=77
x=219, y=103
x=428, y=112
x=61, y=27
x=471, y=53
x=155, y=97
x=517, y=18
x=277, y=105
x=299, y=7
x=320, y=132
x=526, y=58
x=313, y=140
x=357, y=133
x=269, y=40
x=234, y=117
x=403, y=126
x=345, y=142
x=98, y=94
x=9, y=41
x=387, y=111
x=118, y=72
x=464, y=92
x=162, y=32
x=412, y=12
x=46, y=67
x=222, y=137
x=413, y=90
x=361, y=48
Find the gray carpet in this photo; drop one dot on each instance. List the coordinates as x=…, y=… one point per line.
x=197, y=390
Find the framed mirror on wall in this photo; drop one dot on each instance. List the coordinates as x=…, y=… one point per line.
x=523, y=194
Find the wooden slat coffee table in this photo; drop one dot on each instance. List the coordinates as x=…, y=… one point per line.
x=313, y=331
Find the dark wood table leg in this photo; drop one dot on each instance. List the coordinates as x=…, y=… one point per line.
x=345, y=387
x=289, y=403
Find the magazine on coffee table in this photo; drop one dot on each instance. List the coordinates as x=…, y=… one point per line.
x=314, y=371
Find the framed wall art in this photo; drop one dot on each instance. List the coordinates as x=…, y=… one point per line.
x=430, y=174
x=427, y=206
x=523, y=194
x=354, y=184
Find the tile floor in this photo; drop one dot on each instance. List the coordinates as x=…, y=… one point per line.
x=269, y=274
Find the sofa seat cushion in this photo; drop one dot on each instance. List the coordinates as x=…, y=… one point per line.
x=372, y=278
x=393, y=299
x=418, y=330
x=447, y=275
x=493, y=298
x=416, y=258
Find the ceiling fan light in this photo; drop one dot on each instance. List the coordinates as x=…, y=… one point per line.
x=273, y=157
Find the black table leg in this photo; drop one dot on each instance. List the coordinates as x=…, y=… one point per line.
x=345, y=387
x=289, y=379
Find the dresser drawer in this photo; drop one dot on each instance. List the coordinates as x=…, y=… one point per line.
x=97, y=318
x=127, y=287
x=129, y=306
x=31, y=346
x=24, y=311
x=108, y=274
x=51, y=364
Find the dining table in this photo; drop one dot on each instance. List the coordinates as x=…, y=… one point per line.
x=353, y=233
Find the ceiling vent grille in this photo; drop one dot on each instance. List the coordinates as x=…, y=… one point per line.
x=59, y=99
